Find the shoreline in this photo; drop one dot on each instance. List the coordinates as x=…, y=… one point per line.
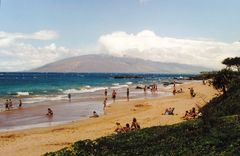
x=147, y=111
x=33, y=115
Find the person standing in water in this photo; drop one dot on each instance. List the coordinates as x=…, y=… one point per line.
x=7, y=105
x=10, y=105
x=127, y=94
x=105, y=93
x=20, y=104
x=69, y=97
x=114, y=94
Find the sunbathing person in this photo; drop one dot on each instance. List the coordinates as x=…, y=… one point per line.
x=192, y=93
x=187, y=114
x=135, y=124
x=169, y=111
x=95, y=115
x=50, y=112
x=127, y=128
x=118, y=128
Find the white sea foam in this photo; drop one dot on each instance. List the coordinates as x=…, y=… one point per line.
x=23, y=93
x=84, y=90
x=119, y=86
x=115, y=84
x=129, y=83
x=43, y=98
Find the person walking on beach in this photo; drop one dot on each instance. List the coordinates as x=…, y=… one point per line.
x=105, y=93
x=20, y=104
x=127, y=94
x=114, y=94
x=69, y=97
x=104, y=103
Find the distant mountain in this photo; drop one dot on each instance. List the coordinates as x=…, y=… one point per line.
x=111, y=64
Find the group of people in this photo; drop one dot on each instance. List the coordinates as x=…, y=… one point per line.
x=192, y=114
x=134, y=126
x=9, y=104
x=114, y=94
x=153, y=88
x=175, y=90
x=169, y=111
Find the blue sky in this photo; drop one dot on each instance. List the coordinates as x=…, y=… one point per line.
x=80, y=23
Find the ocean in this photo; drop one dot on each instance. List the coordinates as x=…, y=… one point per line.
x=16, y=84
x=39, y=91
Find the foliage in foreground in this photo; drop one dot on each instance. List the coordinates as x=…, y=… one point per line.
x=189, y=138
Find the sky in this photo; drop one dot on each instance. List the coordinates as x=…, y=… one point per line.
x=37, y=32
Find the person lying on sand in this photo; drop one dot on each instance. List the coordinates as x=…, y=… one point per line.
x=95, y=115
x=119, y=129
x=135, y=124
x=192, y=114
x=50, y=112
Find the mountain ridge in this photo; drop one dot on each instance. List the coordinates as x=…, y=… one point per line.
x=99, y=63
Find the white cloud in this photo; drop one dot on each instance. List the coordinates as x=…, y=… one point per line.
x=15, y=55
x=24, y=56
x=6, y=39
x=147, y=45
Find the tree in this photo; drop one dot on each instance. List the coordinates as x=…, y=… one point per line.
x=223, y=79
x=232, y=62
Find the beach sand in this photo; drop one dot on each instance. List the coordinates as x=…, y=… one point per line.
x=148, y=113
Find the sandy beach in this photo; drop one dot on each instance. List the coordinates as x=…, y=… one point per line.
x=148, y=112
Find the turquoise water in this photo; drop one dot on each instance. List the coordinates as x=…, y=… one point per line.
x=61, y=83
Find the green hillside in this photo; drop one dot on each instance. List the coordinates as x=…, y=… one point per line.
x=188, y=138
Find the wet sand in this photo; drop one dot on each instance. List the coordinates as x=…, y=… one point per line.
x=32, y=115
x=148, y=112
